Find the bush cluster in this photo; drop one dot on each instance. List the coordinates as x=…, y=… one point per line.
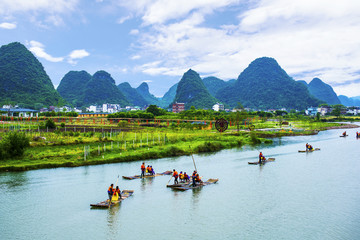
x=13, y=144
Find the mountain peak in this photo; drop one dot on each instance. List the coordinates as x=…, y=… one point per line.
x=192, y=91
x=23, y=78
x=143, y=87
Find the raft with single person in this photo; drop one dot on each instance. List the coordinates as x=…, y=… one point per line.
x=263, y=161
x=115, y=200
x=198, y=185
x=343, y=135
x=314, y=149
x=147, y=175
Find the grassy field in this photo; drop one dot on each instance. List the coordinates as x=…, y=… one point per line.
x=78, y=145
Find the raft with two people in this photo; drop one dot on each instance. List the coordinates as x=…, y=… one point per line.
x=344, y=134
x=308, y=148
x=114, y=200
x=262, y=160
x=190, y=185
x=147, y=175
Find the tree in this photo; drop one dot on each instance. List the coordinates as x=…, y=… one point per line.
x=337, y=110
x=155, y=110
x=13, y=144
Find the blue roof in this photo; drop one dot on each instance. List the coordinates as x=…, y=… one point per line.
x=18, y=110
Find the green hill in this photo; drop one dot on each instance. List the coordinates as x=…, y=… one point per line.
x=349, y=102
x=102, y=89
x=169, y=96
x=132, y=95
x=214, y=84
x=72, y=87
x=323, y=91
x=23, y=79
x=143, y=90
x=192, y=91
x=264, y=85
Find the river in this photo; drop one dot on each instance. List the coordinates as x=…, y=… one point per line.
x=299, y=196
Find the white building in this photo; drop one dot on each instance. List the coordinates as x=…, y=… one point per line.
x=218, y=107
x=353, y=110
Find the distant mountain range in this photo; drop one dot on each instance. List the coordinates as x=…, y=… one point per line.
x=322, y=91
x=262, y=85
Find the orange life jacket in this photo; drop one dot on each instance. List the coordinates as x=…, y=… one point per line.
x=175, y=174
x=143, y=167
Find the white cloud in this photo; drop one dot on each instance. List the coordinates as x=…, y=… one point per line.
x=55, y=6
x=40, y=12
x=6, y=25
x=39, y=50
x=135, y=57
x=123, y=19
x=307, y=38
x=77, y=54
x=134, y=32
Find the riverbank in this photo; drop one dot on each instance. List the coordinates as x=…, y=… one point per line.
x=73, y=149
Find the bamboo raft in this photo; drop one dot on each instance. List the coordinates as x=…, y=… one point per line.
x=147, y=176
x=315, y=149
x=105, y=204
x=263, y=162
x=344, y=135
x=180, y=184
x=190, y=186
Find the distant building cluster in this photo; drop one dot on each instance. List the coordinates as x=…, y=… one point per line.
x=325, y=110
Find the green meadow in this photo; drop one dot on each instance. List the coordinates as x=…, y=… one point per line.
x=71, y=144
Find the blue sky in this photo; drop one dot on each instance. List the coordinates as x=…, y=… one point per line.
x=157, y=41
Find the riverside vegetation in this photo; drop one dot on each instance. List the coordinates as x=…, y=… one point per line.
x=70, y=143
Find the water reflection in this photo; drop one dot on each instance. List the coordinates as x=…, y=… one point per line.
x=13, y=180
x=113, y=221
x=146, y=181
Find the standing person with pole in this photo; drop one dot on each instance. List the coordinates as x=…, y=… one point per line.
x=143, y=170
x=110, y=192
x=175, y=175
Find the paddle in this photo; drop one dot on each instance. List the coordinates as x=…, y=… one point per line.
x=169, y=180
x=192, y=158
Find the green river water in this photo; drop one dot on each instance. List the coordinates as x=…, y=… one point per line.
x=299, y=196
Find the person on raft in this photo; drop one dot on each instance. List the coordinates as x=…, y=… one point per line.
x=175, y=175
x=198, y=178
x=344, y=133
x=181, y=176
x=309, y=147
x=111, y=191
x=143, y=169
x=118, y=192
x=261, y=158
x=357, y=135
x=152, y=172
x=186, y=177
x=193, y=178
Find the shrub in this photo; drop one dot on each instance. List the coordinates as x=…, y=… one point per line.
x=209, y=147
x=13, y=144
x=50, y=124
x=62, y=125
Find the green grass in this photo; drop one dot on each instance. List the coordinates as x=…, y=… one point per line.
x=67, y=149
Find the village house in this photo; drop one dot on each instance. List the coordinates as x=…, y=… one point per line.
x=178, y=107
x=218, y=107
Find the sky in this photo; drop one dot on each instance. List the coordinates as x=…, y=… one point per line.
x=157, y=41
